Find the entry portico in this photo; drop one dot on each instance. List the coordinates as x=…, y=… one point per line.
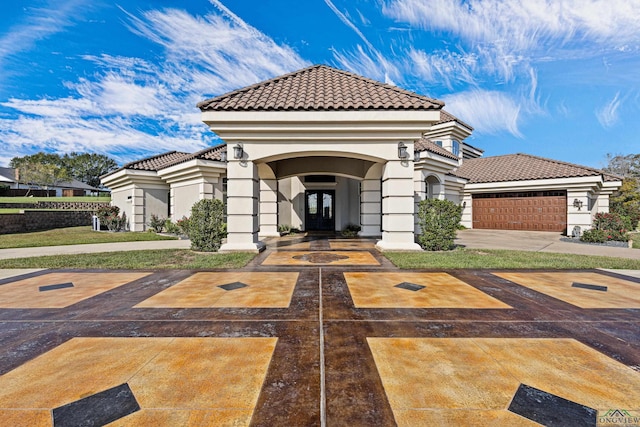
x=315, y=122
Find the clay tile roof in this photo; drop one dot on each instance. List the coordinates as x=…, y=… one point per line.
x=446, y=117
x=156, y=162
x=521, y=167
x=209, y=153
x=425, y=144
x=320, y=88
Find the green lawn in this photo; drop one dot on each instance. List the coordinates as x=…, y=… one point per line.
x=72, y=236
x=54, y=199
x=132, y=260
x=485, y=258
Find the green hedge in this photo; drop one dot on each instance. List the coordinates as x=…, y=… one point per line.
x=439, y=220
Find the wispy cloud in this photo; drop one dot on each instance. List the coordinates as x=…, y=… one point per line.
x=504, y=35
x=132, y=108
x=489, y=112
x=608, y=115
x=38, y=24
x=371, y=63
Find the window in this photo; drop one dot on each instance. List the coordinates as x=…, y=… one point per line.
x=438, y=143
x=455, y=148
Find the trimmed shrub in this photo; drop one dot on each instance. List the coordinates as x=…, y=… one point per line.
x=439, y=220
x=108, y=216
x=183, y=225
x=594, y=236
x=156, y=223
x=171, y=227
x=351, y=230
x=613, y=226
x=206, y=225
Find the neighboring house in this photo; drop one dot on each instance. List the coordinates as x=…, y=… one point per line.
x=62, y=189
x=321, y=148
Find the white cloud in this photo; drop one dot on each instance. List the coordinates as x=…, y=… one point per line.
x=608, y=114
x=373, y=65
x=504, y=35
x=39, y=23
x=489, y=112
x=131, y=108
x=443, y=67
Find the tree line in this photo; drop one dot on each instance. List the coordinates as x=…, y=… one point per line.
x=49, y=169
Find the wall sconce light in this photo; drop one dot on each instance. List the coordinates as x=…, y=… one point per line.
x=402, y=151
x=464, y=204
x=416, y=156
x=238, y=151
x=577, y=204
x=223, y=156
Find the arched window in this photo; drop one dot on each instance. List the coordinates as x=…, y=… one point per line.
x=432, y=187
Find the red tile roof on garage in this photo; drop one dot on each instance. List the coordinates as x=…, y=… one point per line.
x=521, y=167
x=425, y=144
x=320, y=88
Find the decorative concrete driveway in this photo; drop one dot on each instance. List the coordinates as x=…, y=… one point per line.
x=319, y=332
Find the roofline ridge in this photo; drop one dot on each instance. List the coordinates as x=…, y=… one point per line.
x=155, y=156
x=192, y=156
x=387, y=85
x=260, y=83
x=206, y=102
x=562, y=162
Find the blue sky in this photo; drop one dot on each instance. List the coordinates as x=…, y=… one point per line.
x=558, y=79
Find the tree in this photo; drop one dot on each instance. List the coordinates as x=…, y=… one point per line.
x=624, y=165
x=41, y=174
x=88, y=167
x=626, y=201
x=85, y=167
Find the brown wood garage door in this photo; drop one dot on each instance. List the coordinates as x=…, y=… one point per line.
x=535, y=210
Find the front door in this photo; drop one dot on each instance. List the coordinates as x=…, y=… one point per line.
x=319, y=210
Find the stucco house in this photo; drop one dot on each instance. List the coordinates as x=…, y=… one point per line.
x=69, y=188
x=322, y=148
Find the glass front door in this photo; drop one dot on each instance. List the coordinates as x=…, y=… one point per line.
x=319, y=210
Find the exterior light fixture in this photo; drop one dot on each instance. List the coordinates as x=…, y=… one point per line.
x=577, y=204
x=416, y=156
x=223, y=156
x=402, y=151
x=238, y=151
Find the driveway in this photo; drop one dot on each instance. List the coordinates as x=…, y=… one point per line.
x=536, y=241
x=318, y=332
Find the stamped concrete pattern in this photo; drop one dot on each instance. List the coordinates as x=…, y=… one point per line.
x=318, y=332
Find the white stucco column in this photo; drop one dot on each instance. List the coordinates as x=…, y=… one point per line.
x=397, y=207
x=136, y=220
x=371, y=207
x=269, y=207
x=578, y=217
x=242, y=207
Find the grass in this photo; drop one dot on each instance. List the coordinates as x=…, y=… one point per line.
x=133, y=260
x=72, y=236
x=54, y=199
x=10, y=211
x=503, y=259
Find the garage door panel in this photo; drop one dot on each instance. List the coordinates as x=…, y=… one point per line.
x=529, y=212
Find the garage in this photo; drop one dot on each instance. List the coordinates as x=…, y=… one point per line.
x=533, y=210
